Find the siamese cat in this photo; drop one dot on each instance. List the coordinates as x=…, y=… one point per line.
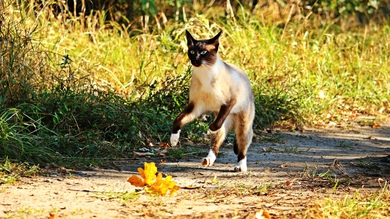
x=223, y=89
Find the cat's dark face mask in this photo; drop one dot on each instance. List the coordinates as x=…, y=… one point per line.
x=202, y=52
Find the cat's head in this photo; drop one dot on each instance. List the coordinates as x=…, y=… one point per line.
x=202, y=52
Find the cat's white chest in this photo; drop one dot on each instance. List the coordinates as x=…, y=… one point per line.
x=207, y=77
x=206, y=88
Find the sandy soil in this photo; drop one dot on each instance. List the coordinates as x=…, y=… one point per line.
x=282, y=179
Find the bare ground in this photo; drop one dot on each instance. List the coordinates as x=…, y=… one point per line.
x=288, y=173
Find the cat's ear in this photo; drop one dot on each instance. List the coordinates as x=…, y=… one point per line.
x=190, y=39
x=215, y=40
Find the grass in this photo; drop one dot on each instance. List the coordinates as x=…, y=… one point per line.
x=11, y=171
x=97, y=90
x=344, y=144
x=359, y=205
x=183, y=152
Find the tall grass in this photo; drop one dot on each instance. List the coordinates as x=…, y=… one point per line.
x=89, y=88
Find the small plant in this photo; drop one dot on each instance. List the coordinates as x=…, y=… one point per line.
x=263, y=188
x=344, y=144
x=290, y=150
x=273, y=139
x=359, y=205
x=11, y=171
x=182, y=152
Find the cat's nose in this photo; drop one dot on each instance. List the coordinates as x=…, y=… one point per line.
x=196, y=63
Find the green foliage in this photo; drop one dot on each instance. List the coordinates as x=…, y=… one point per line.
x=346, y=8
x=149, y=7
x=273, y=105
x=74, y=92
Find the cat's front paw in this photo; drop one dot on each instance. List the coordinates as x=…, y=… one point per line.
x=241, y=166
x=175, y=138
x=213, y=132
x=209, y=160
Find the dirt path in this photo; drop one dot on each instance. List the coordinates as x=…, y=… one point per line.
x=283, y=178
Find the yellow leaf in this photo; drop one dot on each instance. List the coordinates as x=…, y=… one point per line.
x=156, y=186
x=136, y=181
x=162, y=187
x=174, y=190
x=152, y=183
x=141, y=172
x=150, y=171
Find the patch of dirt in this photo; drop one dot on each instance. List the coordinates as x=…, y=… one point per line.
x=286, y=175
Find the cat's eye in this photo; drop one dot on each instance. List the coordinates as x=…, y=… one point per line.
x=203, y=52
x=192, y=52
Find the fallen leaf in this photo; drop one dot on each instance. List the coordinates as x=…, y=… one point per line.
x=376, y=125
x=192, y=187
x=136, y=181
x=148, y=173
x=164, y=145
x=263, y=214
x=162, y=186
x=152, y=183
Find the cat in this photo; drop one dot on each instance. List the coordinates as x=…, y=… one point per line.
x=223, y=89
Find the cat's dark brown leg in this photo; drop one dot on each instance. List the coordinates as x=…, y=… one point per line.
x=187, y=115
x=244, y=134
x=222, y=114
x=177, y=124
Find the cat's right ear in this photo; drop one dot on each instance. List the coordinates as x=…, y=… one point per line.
x=190, y=39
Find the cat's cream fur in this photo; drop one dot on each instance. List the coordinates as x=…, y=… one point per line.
x=225, y=90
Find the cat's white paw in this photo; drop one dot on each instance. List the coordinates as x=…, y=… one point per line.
x=241, y=166
x=175, y=138
x=209, y=160
x=213, y=132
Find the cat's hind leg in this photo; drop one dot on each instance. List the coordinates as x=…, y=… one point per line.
x=244, y=134
x=217, y=139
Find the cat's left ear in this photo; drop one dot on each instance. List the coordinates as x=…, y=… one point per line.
x=215, y=40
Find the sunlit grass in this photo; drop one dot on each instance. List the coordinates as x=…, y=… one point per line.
x=11, y=171
x=359, y=205
x=325, y=71
x=98, y=86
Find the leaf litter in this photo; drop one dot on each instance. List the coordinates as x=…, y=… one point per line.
x=279, y=184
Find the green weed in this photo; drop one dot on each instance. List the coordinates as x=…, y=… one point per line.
x=360, y=205
x=274, y=138
x=344, y=144
x=185, y=151
x=84, y=88
x=12, y=171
